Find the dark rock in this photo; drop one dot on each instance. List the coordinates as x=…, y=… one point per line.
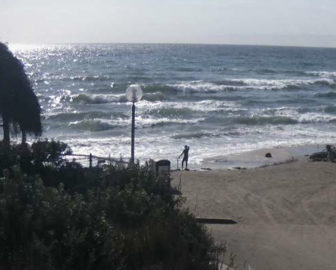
x=319, y=156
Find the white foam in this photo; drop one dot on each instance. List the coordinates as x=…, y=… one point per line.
x=268, y=84
x=249, y=84
x=141, y=122
x=98, y=98
x=204, y=105
x=323, y=74
x=160, y=146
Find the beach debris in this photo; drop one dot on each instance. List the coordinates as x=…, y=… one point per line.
x=328, y=154
x=216, y=221
x=268, y=155
x=319, y=156
x=239, y=168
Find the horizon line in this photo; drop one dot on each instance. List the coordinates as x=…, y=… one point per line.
x=172, y=43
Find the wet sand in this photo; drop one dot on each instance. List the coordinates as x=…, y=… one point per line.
x=286, y=213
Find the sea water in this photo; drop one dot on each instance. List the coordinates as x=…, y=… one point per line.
x=217, y=99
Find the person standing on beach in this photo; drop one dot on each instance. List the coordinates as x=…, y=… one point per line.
x=185, y=154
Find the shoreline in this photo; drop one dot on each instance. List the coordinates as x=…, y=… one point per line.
x=256, y=158
x=285, y=213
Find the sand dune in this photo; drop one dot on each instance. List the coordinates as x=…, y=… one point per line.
x=286, y=213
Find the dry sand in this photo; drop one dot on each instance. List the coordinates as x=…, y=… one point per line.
x=286, y=213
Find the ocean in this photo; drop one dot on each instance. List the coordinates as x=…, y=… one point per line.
x=218, y=99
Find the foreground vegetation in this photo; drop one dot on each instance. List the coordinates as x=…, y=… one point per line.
x=19, y=107
x=55, y=214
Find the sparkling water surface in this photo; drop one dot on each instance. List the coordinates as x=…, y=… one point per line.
x=217, y=99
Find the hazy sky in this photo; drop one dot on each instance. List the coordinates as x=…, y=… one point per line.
x=273, y=22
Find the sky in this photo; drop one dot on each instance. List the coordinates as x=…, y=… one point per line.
x=258, y=22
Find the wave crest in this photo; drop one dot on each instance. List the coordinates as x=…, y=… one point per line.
x=252, y=84
x=98, y=99
x=263, y=120
x=322, y=74
x=91, y=125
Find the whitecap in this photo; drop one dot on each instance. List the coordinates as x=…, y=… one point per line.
x=251, y=84
x=323, y=74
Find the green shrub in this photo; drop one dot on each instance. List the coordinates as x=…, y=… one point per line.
x=116, y=218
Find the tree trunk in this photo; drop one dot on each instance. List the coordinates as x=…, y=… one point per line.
x=6, y=138
x=24, y=137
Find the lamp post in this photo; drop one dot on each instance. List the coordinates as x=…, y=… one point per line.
x=133, y=94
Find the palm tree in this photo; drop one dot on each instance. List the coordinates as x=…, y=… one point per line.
x=19, y=105
x=30, y=120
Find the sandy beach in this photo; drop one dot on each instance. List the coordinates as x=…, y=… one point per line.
x=286, y=213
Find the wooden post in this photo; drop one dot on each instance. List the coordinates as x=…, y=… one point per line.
x=90, y=160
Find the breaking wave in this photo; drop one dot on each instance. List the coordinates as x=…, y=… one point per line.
x=98, y=99
x=96, y=125
x=322, y=74
x=117, y=98
x=86, y=78
x=164, y=121
x=252, y=84
x=91, y=125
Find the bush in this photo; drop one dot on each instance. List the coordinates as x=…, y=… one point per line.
x=33, y=158
x=120, y=218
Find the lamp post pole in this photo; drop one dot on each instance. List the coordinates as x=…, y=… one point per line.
x=133, y=131
x=133, y=94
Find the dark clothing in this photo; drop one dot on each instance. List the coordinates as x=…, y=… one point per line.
x=185, y=153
